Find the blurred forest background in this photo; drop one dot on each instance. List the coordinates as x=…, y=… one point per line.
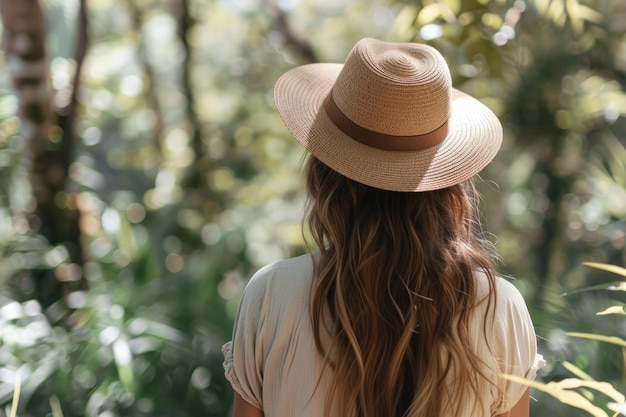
x=144, y=176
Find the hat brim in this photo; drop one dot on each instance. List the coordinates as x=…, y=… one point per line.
x=474, y=137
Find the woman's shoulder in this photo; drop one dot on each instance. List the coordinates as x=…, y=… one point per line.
x=500, y=300
x=282, y=281
x=504, y=288
x=506, y=313
x=296, y=265
x=285, y=271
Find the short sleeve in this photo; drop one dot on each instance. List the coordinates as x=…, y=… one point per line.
x=515, y=344
x=244, y=354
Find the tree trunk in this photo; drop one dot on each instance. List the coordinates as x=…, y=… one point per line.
x=46, y=137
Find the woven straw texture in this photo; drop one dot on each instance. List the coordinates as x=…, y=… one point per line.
x=395, y=89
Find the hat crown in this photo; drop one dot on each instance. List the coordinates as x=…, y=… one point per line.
x=394, y=89
x=389, y=118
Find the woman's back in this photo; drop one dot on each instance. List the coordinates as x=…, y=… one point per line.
x=399, y=313
x=277, y=367
x=395, y=273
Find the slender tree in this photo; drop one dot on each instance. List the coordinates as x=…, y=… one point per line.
x=46, y=136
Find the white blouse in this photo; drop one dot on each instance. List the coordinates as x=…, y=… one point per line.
x=272, y=361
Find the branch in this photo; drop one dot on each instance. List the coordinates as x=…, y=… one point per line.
x=303, y=46
x=185, y=25
x=151, y=96
x=46, y=137
x=25, y=51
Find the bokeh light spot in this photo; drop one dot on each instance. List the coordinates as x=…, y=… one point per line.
x=200, y=378
x=174, y=262
x=431, y=31
x=135, y=213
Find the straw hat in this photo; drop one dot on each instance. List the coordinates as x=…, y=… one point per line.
x=389, y=118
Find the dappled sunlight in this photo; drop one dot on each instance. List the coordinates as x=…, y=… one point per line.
x=181, y=181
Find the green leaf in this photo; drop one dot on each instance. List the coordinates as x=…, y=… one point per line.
x=612, y=310
x=579, y=373
x=122, y=354
x=429, y=14
x=403, y=24
x=55, y=406
x=599, y=337
x=16, y=394
x=607, y=286
x=607, y=267
x=618, y=408
x=587, y=13
x=564, y=392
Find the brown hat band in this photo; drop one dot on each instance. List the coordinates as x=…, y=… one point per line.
x=381, y=140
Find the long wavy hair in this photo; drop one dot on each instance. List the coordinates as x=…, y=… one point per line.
x=394, y=275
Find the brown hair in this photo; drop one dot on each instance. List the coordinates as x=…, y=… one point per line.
x=395, y=271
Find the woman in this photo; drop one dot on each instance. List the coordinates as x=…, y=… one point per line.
x=398, y=310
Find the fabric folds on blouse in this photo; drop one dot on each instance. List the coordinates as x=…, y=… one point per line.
x=272, y=361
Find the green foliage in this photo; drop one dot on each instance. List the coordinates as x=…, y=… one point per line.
x=576, y=391
x=186, y=182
